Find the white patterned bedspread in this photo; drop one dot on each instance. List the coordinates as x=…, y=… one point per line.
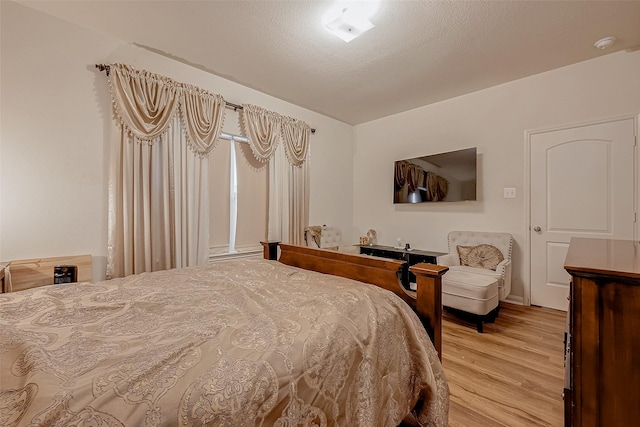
x=236, y=343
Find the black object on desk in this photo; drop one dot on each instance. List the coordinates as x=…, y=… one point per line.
x=65, y=274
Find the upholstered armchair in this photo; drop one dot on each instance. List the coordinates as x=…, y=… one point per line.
x=323, y=236
x=327, y=237
x=483, y=259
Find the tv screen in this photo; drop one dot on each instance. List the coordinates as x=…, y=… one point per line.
x=443, y=177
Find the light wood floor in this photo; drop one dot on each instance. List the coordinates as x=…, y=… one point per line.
x=512, y=374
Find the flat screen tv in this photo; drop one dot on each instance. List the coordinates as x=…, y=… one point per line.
x=443, y=177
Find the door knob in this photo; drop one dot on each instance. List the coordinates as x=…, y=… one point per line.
x=537, y=229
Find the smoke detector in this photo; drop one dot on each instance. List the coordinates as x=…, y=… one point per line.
x=605, y=42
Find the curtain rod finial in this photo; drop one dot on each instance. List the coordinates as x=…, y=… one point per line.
x=103, y=67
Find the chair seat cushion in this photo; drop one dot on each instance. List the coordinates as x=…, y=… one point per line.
x=477, y=271
x=470, y=292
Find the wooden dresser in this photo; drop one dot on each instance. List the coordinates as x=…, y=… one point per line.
x=604, y=323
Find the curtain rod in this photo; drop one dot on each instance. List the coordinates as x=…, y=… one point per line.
x=229, y=105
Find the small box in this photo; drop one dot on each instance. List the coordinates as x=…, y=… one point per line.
x=65, y=274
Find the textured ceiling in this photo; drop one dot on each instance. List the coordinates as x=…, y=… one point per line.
x=419, y=52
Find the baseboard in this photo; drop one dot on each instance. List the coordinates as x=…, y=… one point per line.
x=234, y=255
x=514, y=299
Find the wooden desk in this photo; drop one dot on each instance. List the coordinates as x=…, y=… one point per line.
x=605, y=331
x=31, y=273
x=412, y=257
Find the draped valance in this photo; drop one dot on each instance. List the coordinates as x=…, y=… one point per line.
x=144, y=105
x=295, y=135
x=202, y=117
x=263, y=129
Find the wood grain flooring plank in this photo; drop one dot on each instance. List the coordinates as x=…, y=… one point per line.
x=512, y=374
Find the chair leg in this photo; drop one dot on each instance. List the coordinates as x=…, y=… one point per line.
x=491, y=316
x=479, y=325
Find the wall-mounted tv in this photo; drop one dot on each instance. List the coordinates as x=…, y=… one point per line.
x=443, y=177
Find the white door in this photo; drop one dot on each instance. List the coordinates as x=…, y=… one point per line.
x=582, y=185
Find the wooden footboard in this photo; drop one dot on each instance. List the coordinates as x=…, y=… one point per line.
x=382, y=272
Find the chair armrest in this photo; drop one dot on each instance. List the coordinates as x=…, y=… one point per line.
x=449, y=260
x=309, y=239
x=503, y=267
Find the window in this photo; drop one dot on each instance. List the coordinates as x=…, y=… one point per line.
x=238, y=198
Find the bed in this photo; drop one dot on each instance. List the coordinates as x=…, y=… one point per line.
x=250, y=342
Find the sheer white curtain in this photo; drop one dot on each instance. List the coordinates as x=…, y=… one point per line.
x=288, y=169
x=158, y=182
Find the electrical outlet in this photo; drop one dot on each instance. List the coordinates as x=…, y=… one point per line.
x=510, y=193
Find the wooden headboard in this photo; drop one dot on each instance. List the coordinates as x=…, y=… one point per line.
x=31, y=273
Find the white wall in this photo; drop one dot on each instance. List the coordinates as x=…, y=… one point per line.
x=55, y=114
x=495, y=120
x=0, y=133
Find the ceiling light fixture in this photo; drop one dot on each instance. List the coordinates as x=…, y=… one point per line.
x=349, y=20
x=605, y=42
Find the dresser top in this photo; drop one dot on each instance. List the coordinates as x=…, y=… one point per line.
x=608, y=257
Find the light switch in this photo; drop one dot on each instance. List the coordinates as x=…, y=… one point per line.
x=510, y=193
